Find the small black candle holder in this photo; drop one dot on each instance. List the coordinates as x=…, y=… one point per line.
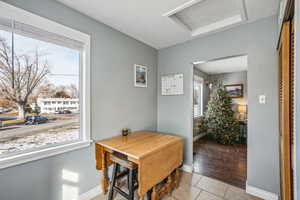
x=125, y=131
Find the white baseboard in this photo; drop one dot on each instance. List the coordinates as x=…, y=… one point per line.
x=187, y=168
x=92, y=193
x=199, y=136
x=260, y=193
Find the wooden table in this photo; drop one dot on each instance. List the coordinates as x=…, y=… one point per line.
x=157, y=156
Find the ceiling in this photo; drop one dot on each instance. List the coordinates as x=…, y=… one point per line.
x=223, y=65
x=163, y=23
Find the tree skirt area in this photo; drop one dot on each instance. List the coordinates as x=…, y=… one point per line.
x=50, y=137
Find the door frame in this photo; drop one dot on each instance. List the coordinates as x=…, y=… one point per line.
x=286, y=111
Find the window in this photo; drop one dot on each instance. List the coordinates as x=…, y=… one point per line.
x=40, y=67
x=198, y=96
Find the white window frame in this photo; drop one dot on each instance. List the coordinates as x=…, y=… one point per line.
x=20, y=15
x=201, y=96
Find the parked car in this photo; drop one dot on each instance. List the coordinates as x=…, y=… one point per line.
x=35, y=120
x=63, y=112
x=67, y=111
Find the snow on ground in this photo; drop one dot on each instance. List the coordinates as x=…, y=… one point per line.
x=52, y=136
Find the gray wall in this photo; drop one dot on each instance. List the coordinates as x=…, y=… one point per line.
x=234, y=78
x=115, y=104
x=258, y=41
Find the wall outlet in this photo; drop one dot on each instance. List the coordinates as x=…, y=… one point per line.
x=262, y=99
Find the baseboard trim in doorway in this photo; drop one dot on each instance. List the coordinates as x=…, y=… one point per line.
x=92, y=193
x=260, y=193
x=187, y=168
x=199, y=136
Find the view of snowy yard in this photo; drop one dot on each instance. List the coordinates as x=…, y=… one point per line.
x=39, y=91
x=49, y=137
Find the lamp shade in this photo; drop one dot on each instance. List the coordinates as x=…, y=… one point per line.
x=242, y=108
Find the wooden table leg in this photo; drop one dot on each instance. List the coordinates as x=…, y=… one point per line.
x=169, y=185
x=154, y=193
x=141, y=196
x=177, y=177
x=105, y=180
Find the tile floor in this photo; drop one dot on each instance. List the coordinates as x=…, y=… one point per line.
x=197, y=187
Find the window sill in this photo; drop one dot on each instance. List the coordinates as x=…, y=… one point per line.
x=39, y=154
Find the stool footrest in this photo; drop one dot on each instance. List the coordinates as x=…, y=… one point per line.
x=121, y=192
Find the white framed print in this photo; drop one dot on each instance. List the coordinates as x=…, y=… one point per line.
x=140, y=76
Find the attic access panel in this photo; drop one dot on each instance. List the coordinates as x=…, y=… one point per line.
x=204, y=16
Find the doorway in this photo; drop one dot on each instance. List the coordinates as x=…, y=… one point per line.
x=220, y=108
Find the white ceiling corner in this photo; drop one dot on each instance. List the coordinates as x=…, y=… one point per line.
x=223, y=65
x=152, y=22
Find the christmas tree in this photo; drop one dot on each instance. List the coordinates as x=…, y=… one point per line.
x=221, y=124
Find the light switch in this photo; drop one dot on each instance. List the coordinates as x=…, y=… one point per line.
x=262, y=99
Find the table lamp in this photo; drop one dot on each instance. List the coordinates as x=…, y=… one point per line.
x=242, y=110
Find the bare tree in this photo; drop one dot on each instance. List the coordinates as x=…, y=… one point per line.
x=61, y=94
x=49, y=90
x=46, y=90
x=20, y=75
x=6, y=103
x=74, y=93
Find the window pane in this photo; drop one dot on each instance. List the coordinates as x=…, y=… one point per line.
x=198, y=96
x=47, y=80
x=5, y=76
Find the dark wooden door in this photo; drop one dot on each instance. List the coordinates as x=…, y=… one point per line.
x=286, y=110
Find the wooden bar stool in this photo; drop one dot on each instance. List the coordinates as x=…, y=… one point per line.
x=131, y=172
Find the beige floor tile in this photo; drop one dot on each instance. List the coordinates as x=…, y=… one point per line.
x=100, y=197
x=213, y=186
x=168, y=198
x=117, y=196
x=208, y=196
x=125, y=189
x=234, y=193
x=190, y=178
x=205, y=189
x=186, y=192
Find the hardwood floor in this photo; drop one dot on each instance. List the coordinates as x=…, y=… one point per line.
x=227, y=163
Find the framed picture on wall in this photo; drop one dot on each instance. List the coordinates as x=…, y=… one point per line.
x=235, y=91
x=140, y=76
